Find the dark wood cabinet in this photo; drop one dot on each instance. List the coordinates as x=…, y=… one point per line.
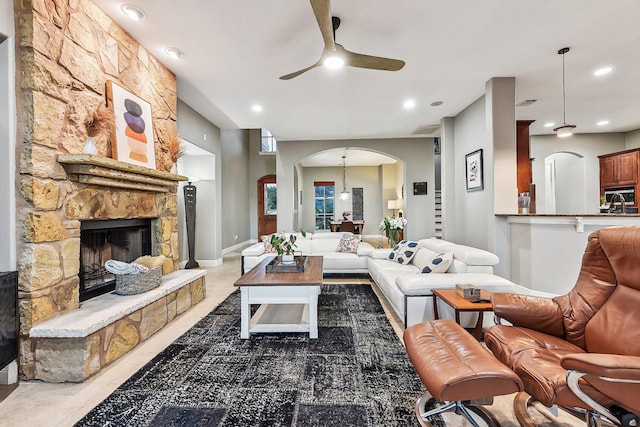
x=619, y=169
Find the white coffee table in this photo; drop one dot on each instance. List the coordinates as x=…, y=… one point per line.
x=288, y=301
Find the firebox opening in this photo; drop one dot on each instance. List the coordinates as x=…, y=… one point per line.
x=121, y=240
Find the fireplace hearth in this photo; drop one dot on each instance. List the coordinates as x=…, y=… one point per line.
x=121, y=240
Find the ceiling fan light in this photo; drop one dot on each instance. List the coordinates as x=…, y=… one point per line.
x=564, y=130
x=333, y=62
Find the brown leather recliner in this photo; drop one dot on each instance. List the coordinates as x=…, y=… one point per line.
x=581, y=349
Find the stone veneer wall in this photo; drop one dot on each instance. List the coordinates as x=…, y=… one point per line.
x=66, y=51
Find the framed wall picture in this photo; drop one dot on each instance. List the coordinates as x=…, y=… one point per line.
x=475, y=179
x=419, y=188
x=133, y=127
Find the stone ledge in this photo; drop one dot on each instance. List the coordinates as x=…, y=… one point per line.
x=101, y=311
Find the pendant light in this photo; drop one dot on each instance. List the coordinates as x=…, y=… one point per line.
x=566, y=129
x=344, y=194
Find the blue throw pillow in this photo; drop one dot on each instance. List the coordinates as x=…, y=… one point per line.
x=404, y=252
x=439, y=264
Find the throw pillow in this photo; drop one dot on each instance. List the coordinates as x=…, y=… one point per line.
x=266, y=239
x=348, y=243
x=439, y=264
x=404, y=252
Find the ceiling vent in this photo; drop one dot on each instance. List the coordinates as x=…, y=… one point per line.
x=526, y=102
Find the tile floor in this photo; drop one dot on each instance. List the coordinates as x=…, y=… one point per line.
x=35, y=403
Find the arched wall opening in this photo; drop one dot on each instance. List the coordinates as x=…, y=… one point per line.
x=372, y=177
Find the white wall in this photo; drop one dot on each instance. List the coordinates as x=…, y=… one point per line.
x=416, y=152
x=632, y=139
x=7, y=138
x=235, y=182
x=472, y=209
x=488, y=124
x=587, y=146
x=194, y=128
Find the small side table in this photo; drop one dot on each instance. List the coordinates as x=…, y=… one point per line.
x=459, y=304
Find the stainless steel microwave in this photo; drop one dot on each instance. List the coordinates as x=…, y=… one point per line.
x=629, y=194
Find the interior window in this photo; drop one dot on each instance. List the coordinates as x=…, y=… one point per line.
x=267, y=142
x=324, y=197
x=270, y=199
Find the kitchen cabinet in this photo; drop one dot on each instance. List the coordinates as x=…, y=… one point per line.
x=619, y=169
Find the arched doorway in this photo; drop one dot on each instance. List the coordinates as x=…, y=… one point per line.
x=267, y=205
x=564, y=189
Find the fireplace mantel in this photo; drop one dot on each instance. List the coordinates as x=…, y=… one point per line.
x=95, y=170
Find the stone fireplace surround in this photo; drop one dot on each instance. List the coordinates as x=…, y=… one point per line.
x=78, y=339
x=66, y=50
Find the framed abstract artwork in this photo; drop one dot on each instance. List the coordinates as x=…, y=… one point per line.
x=420, y=188
x=133, y=127
x=473, y=162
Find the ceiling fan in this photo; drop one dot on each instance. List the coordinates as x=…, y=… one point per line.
x=334, y=55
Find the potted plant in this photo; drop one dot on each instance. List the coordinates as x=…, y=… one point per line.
x=392, y=227
x=345, y=215
x=99, y=122
x=284, y=246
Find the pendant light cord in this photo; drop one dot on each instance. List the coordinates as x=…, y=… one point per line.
x=564, y=102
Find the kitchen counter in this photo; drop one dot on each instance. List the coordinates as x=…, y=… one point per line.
x=579, y=221
x=544, y=251
x=573, y=215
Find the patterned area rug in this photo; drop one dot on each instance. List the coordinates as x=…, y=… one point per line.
x=356, y=373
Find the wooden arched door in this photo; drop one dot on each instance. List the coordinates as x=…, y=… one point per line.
x=267, y=205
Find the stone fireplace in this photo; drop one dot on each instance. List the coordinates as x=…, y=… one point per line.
x=66, y=50
x=121, y=239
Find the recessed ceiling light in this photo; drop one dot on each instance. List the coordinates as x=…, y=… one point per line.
x=257, y=108
x=603, y=122
x=550, y=124
x=409, y=104
x=174, y=52
x=436, y=103
x=602, y=71
x=132, y=12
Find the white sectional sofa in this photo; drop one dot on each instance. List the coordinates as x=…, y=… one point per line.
x=408, y=290
x=324, y=244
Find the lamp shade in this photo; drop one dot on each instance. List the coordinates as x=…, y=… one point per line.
x=564, y=131
x=392, y=204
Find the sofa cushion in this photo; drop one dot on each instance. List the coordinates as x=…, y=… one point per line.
x=404, y=252
x=439, y=264
x=466, y=254
x=348, y=243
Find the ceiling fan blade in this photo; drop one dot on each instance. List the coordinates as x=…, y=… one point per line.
x=322, y=11
x=297, y=73
x=372, y=62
